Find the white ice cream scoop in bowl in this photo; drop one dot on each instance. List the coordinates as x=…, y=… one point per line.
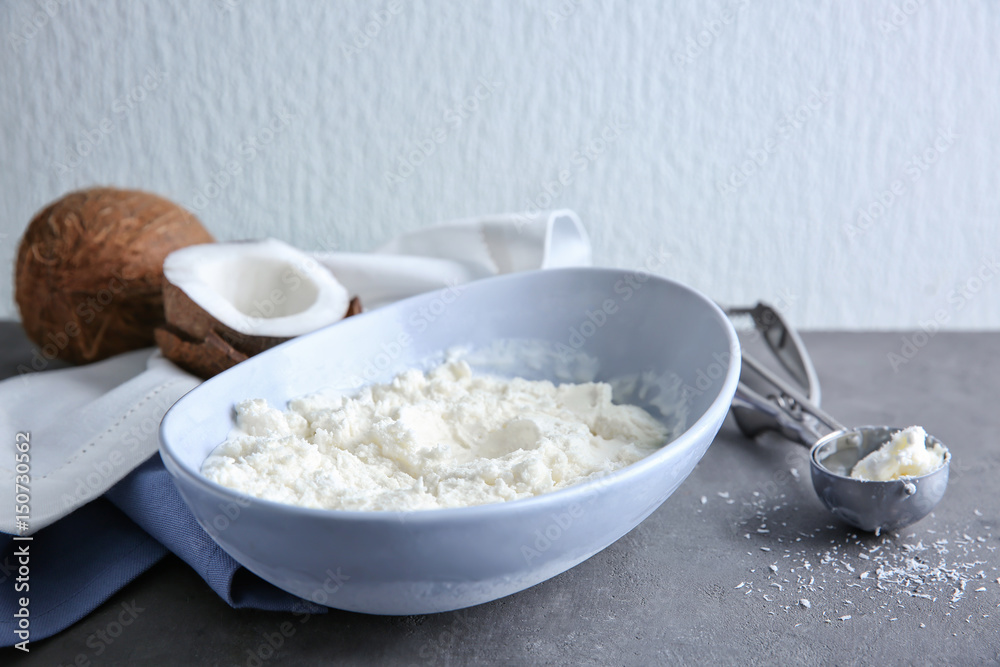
x=662, y=346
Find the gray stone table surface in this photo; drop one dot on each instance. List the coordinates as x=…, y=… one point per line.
x=742, y=565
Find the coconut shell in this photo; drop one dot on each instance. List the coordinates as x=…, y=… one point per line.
x=185, y=315
x=200, y=344
x=354, y=307
x=205, y=357
x=89, y=274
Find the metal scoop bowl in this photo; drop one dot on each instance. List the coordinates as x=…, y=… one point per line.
x=766, y=402
x=872, y=505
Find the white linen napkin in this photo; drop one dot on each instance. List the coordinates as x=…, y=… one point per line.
x=90, y=426
x=458, y=252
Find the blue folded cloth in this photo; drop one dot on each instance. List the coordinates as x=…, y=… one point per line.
x=81, y=560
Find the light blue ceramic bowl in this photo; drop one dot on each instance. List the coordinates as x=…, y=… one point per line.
x=665, y=346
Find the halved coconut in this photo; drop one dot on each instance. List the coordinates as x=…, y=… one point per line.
x=225, y=302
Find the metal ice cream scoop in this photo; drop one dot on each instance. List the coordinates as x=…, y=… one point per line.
x=766, y=402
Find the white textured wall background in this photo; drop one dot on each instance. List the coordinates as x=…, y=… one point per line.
x=164, y=95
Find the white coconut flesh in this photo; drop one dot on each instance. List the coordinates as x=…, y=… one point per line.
x=258, y=288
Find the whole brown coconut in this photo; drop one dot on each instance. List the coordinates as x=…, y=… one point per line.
x=89, y=275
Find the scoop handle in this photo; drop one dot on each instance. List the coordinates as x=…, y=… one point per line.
x=783, y=409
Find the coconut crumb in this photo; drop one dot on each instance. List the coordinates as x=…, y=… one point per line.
x=934, y=567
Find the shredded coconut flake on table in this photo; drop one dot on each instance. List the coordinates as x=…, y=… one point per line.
x=930, y=568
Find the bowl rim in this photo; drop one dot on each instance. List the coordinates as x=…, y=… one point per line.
x=549, y=500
